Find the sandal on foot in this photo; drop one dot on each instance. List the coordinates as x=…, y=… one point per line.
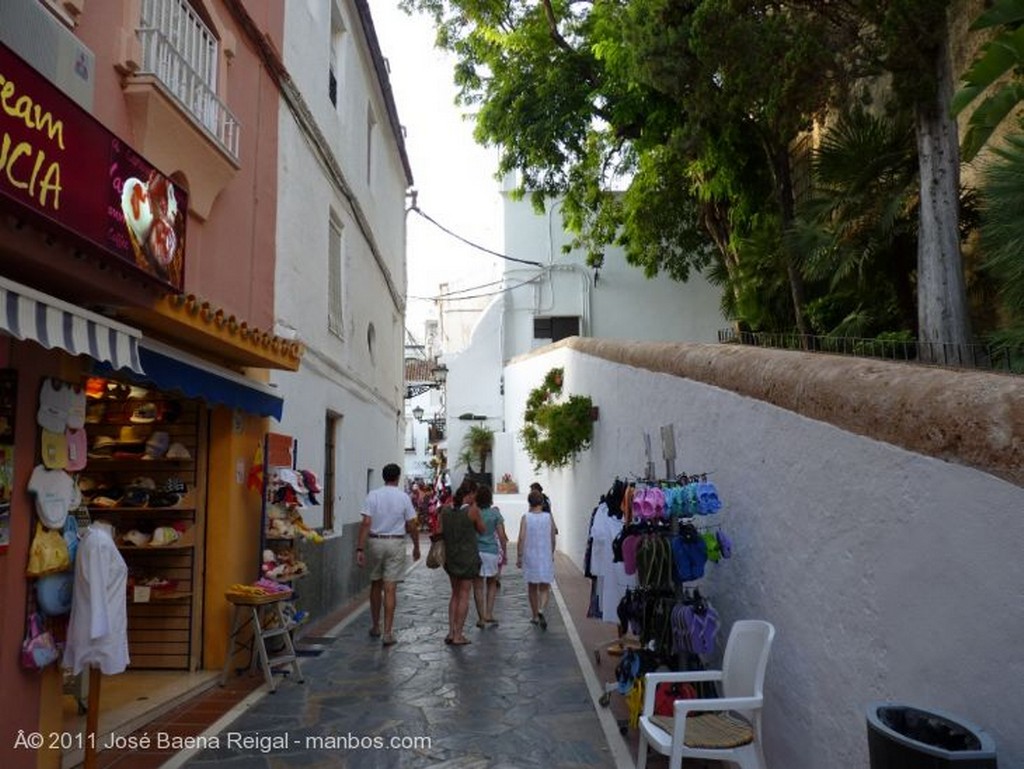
x=543, y=622
x=491, y=621
x=374, y=633
x=481, y=624
x=389, y=640
x=461, y=642
x=448, y=640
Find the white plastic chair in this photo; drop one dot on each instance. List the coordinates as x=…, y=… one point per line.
x=712, y=733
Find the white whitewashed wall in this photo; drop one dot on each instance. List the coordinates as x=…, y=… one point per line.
x=889, y=575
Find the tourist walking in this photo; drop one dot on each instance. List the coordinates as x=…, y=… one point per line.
x=460, y=524
x=388, y=515
x=492, y=545
x=546, y=505
x=536, y=555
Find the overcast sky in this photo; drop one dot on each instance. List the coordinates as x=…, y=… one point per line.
x=453, y=175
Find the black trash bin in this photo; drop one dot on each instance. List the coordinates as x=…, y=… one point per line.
x=905, y=737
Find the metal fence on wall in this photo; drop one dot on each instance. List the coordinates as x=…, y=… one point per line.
x=989, y=357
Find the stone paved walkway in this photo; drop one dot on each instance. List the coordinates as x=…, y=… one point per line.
x=513, y=699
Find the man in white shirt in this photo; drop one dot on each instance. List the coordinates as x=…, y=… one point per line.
x=388, y=515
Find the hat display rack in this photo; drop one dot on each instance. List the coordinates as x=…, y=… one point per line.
x=652, y=541
x=142, y=475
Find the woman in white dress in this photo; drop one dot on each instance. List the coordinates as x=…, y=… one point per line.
x=536, y=555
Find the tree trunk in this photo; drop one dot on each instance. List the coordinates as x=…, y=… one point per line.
x=714, y=217
x=943, y=322
x=784, y=189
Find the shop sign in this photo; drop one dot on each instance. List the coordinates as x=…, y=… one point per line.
x=60, y=163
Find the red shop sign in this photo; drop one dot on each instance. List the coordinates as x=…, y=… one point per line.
x=60, y=163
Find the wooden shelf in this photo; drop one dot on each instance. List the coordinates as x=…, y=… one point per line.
x=152, y=548
x=170, y=595
x=119, y=509
x=137, y=461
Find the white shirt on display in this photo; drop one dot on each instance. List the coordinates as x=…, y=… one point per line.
x=98, y=628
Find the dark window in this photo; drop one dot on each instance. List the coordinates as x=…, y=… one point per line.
x=327, y=488
x=556, y=328
x=332, y=87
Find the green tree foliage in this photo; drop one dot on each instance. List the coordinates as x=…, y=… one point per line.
x=858, y=231
x=996, y=74
x=689, y=108
x=1002, y=233
x=997, y=68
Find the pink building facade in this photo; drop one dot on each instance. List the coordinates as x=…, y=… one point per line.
x=138, y=182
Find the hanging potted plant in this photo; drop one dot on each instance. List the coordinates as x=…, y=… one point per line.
x=556, y=429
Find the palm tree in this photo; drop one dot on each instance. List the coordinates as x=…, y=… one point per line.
x=477, y=443
x=1002, y=233
x=859, y=229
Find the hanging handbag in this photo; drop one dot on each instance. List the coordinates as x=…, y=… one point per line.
x=48, y=553
x=38, y=650
x=70, y=534
x=435, y=556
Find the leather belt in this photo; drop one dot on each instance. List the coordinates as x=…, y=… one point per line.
x=387, y=536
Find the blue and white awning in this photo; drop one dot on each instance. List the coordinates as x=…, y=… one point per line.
x=32, y=315
x=172, y=369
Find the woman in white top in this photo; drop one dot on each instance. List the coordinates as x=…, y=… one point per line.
x=536, y=555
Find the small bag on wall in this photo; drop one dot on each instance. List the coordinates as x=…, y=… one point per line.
x=38, y=650
x=48, y=553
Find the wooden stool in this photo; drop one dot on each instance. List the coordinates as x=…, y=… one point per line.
x=256, y=609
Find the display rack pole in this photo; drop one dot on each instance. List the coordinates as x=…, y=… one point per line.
x=92, y=718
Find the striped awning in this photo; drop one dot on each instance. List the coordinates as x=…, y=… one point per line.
x=32, y=315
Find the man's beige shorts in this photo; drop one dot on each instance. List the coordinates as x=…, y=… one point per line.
x=387, y=559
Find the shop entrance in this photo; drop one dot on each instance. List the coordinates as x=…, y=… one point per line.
x=145, y=476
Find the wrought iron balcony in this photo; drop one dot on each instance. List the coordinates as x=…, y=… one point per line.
x=161, y=59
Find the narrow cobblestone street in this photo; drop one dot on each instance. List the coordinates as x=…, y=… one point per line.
x=514, y=698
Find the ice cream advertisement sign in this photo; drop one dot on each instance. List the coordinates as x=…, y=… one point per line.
x=58, y=163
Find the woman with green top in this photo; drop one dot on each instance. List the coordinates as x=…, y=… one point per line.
x=492, y=544
x=460, y=525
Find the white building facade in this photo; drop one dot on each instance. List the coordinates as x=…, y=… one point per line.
x=556, y=297
x=341, y=274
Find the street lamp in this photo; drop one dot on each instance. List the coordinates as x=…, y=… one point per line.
x=438, y=373
x=436, y=423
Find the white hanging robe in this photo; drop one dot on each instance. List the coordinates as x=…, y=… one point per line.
x=98, y=628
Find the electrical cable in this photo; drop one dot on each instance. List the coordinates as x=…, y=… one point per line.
x=471, y=243
x=449, y=298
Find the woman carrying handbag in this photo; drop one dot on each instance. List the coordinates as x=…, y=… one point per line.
x=460, y=525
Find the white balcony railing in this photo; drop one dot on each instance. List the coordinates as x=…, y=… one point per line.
x=161, y=59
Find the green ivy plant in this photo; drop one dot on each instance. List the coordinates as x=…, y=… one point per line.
x=556, y=429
